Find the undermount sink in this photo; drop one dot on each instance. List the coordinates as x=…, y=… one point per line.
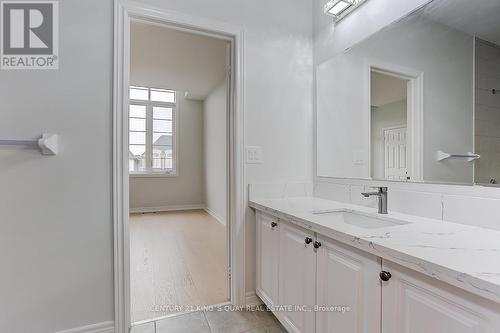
x=369, y=222
x=360, y=220
x=330, y=211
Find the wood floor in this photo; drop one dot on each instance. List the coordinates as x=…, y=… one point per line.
x=176, y=259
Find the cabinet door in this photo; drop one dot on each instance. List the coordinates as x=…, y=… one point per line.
x=267, y=258
x=415, y=303
x=348, y=290
x=297, y=279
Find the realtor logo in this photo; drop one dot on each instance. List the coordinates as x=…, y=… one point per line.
x=29, y=32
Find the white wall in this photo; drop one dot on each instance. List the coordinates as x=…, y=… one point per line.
x=343, y=98
x=487, y=116
x=56, y=233
x=176, y=59
x=373, y=15
x=187, y=188
x=384, y=116
x=386, y=89
x=215, y=146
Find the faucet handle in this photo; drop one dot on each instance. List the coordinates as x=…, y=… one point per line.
x=380, y=188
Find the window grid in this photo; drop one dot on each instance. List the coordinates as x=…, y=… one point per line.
x=159, y=158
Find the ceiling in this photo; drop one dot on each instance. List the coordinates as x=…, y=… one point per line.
x=475, y=17
x=386, y=89
x=162, y=57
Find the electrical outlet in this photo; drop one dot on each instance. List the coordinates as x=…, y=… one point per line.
x=254, y=155
x=358, y=157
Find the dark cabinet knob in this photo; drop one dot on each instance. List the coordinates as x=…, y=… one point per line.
x=385, y=276
x=308, y=240
x=274, y=224
x=317, y=245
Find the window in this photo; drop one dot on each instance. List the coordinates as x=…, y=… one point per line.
x=152, y=141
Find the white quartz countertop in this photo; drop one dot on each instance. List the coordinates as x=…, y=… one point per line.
x=464, y=256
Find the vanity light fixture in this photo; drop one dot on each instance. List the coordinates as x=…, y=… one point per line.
x=341, y=8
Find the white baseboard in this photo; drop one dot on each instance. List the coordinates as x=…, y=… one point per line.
x=104, y=327
x=166, y=208
x=214, y=215
x=251, y=299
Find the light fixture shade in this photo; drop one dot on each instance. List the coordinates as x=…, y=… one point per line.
x=341, y=8
x=336, y=7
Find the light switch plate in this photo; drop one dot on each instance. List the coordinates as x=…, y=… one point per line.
x=254, y=154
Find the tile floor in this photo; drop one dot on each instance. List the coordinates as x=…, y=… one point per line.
x=214, y=322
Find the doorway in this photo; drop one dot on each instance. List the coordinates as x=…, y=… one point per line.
x=125, y=15
x=177, y=171
x=395, y=124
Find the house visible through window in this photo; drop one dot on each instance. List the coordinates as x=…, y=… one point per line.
x=152, y=142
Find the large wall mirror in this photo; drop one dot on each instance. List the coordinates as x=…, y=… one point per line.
x=417, y=101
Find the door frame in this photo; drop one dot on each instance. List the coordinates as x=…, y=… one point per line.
x=385, y=129
x=124, y=12
x=414, y=109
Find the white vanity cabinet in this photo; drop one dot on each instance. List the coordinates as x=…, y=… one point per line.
x=353, y=291
x=413, y=303
x=297, y=278
x=349, y=279
x=267, y=247
x=296, y=271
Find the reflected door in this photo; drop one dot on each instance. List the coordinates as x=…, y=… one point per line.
x=395, y=154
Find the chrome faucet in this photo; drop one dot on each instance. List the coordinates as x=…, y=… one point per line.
x=382, y=198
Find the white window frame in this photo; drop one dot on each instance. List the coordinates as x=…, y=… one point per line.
x=149, y=135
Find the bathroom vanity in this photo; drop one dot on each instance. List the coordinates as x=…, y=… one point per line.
x=325, y=266
x=413, y=104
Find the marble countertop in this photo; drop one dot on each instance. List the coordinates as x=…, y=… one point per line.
x=464, y=256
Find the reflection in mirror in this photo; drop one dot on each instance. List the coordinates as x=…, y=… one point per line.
x=388, y=126
x=389, y=106
x=487, y=117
